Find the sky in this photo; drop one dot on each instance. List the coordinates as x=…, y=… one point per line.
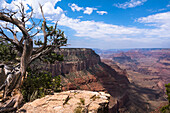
x=105, y=24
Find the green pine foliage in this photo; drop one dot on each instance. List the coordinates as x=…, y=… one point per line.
x=39, y=84
x=52, y=57
x=168, y=91
x=166, y=109
x=7, y=52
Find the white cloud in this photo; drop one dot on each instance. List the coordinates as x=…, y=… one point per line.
x=160, y=21
x=3, y=23
x=130, y=4
x=50, y=12
x=28, y=23
x=12, y=5
x=98, y=30
x=74, y=7
x=101, y=30
x=40, y=34
x=86, y=10
x=48, y=7
x=17, y=29
x=80, y=17
x=89, y=10
x=101, y=12
x=168, y=5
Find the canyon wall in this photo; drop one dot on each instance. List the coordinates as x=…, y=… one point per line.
x=75, y=59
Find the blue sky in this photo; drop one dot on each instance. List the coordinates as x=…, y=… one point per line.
x=107, y=24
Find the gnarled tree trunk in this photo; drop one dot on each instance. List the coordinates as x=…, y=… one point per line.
x=52, y=39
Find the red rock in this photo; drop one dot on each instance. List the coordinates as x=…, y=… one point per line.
x=83, y=69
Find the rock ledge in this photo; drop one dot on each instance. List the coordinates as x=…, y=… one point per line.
x=73, y=101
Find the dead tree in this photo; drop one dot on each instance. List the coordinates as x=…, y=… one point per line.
x=52, y=38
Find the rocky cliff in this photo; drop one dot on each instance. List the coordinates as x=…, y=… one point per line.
x=75, y=59
x=82, y=69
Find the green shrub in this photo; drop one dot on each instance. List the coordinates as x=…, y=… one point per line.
x=168, y=91
x=7, y=53
x=78, y=109
x=166, y=109
x=39, y=84
x=82, y=100
x=52, y=57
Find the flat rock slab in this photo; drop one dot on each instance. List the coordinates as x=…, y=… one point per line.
x=73, y=101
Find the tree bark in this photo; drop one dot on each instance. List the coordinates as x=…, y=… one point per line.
x=26, y=56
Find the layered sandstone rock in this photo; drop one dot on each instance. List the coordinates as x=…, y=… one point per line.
x=75, y=59
x=82, y=69
x=73, y=101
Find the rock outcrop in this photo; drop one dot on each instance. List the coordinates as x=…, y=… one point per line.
x=73, y=101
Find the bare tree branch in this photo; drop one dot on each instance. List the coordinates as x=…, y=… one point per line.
x=5, y=37
x=15, y=22
x=44, y=32
x=33, y=25
x=43, y=52
x=12, y=31
x=22, y=12
x=8, y=12
x=35, y=33
x=30, y=16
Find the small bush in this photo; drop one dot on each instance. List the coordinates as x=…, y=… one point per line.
x=78, y=109
x=166, y=109
x=82, y=100
x=39, y=84
x=7, y=52
x=52, y=57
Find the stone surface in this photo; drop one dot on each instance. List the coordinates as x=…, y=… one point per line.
x=69, y=102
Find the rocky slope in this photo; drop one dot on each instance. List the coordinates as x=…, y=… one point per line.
x=82, y=69
x=147, y=70
x=73, y=101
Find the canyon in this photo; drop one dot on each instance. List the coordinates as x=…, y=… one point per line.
x=148, y=70
x=134, y=79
